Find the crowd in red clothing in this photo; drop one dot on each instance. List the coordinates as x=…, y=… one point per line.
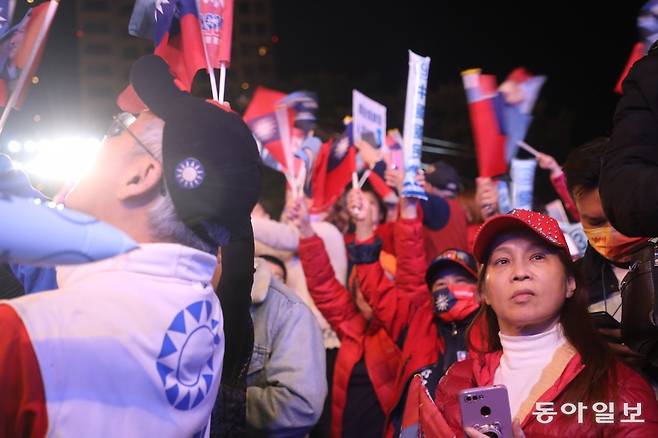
x=415, y=302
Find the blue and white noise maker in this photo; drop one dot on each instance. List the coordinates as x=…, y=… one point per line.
x=41, y=233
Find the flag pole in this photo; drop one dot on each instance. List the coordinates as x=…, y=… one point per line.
x=25, y=72
x=222, y=81
x=209, y=68
x=12, y=7
x=213, y=85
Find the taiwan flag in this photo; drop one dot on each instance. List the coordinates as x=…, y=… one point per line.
x=519, y=93
x=16, y=46
x=333, y=170
x=421, y=416
x=178, y=38
x=485, y=109
x=174, y=27
x=262, y=119
x=647, y=27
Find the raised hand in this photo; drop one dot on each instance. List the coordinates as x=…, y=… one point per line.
x=299, y=217
x=547, y=162
x=369, y=154
x=361, y=213
x=357, y=206
x=394, y=178
x=486, y=196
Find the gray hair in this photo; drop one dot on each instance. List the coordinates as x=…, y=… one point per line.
x=164, y=222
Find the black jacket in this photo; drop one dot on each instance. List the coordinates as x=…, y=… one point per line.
x=597, y=276
x=629, y=173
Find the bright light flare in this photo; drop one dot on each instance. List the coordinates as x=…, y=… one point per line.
x=65, y=159
x=14, y=146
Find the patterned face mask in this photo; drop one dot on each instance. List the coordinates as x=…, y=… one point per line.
x=455, y=302
x=611, y=244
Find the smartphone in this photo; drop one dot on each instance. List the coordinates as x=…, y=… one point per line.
x=604, y=320
x=486, y=409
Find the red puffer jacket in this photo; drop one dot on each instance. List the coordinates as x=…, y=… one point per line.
x=631, y=388
x=403, y=306
x=358, y=338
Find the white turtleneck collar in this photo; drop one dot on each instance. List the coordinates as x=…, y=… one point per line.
x=524, y=358
x=522, y=351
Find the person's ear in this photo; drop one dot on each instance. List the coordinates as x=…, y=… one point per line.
x=571, y=286
x=141, y=176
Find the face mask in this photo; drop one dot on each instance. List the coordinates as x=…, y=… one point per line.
x=455, y=302
x=611, y=244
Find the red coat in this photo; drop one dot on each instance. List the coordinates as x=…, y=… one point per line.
x=404, y=306
x=358, y=338
x=445, y=225
x=631, y=388
x=23, y=401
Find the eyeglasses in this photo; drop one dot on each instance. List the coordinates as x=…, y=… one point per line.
x=121, y=123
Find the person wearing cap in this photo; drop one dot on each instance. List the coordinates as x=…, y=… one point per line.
x=451, y=280
x=363, y=383
x=540, y=343
x=428, y=320
x=443, y=216
x=134, y=345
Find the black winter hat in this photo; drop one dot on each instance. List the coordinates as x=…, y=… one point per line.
x=211, y=163
x=443, y=176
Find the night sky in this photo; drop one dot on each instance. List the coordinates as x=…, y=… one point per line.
x=581, y=47
x=332, y=47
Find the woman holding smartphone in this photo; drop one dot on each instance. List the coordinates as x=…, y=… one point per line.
x=541, y=343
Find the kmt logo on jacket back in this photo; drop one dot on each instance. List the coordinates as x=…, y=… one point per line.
x=185, y=363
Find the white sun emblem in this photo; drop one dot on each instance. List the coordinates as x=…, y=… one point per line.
x=190, y=173
x=158, y=7
x=341, y=147
x=264, y=128
x=442, y=302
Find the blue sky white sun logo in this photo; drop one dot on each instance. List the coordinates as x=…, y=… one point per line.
x=186, y=363
x=442, y=302
x=190, y=173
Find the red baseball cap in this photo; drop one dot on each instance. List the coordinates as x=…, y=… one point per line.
x=545, y=227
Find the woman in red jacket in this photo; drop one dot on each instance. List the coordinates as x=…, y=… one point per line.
x=430, y=319
x=363, y=388
x=561, y=378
